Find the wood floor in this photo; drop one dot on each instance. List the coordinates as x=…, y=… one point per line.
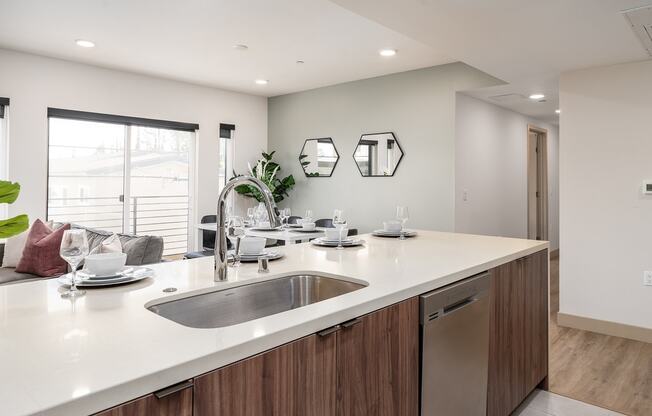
x=610, y=372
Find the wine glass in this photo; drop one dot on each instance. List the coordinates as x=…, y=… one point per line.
x=74, y=248
x=250, y=215
x=402, y=214
x=339, y=222
x=308, y=217
x=235, y=231
x=285, y=216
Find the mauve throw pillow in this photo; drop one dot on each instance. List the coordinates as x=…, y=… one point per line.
x=41, y=252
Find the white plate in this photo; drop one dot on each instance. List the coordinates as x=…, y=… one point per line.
x=394, y=234
x=85, y=274
x=347, y=240
x=328, y=243
x=250, y=258
x=136, y=274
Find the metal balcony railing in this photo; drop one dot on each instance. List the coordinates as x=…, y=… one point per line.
x=166, y=216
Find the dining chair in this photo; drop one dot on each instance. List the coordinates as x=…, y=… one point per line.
x=325, y=223
x=207, y=240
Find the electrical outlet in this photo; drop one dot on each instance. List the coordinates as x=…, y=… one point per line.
x=647, y=278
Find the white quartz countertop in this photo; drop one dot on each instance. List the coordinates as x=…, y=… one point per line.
x=63, y=358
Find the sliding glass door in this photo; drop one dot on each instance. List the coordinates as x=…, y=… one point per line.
x=122, y=178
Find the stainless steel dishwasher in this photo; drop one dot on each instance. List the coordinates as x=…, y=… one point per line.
x=455, y=348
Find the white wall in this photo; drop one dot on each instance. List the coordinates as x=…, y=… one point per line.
x=418, y=106
x=606, y=223
x=491, y=167
x=34, y=83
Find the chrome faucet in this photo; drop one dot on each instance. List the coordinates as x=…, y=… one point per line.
x=221, y=260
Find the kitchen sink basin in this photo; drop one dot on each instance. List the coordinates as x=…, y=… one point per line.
x=252, y=301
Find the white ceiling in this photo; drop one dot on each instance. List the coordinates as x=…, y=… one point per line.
x=192, y=40
x=527, y=43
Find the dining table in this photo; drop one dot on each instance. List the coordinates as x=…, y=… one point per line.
x=289, y=235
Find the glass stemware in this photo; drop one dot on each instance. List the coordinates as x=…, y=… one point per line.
x=285, y=216
x=339, y=222
x=74, y=248
x=402, y=214
x=250, y=215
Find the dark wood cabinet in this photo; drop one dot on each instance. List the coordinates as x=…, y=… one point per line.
x=294, y=379
x=174, y=403
x=367, y=366
x=370, y=365
x=378, y=363
x=518, y=340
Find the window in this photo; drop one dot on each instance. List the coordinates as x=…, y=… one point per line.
x=226, y=153
x=4, y=137
x=4, y=115
x=122, y=174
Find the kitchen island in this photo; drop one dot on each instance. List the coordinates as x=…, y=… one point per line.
x=106, y=349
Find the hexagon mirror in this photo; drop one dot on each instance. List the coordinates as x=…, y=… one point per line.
x=319, y=157
x=378, y=154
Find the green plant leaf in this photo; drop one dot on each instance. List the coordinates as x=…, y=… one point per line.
x=9, y=192
x=13, y=226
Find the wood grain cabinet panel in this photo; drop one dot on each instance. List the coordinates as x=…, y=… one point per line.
x=518, y=340
x=378, y=363
x=296, y=379
x=175, y=404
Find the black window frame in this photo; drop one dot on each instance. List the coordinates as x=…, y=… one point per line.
x=124, y=120
x=4, y=102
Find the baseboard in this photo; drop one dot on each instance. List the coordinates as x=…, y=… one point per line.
x=554, y=254
x=615, y=329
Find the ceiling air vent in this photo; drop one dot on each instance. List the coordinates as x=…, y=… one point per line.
x=507, y=98
x=640, y=20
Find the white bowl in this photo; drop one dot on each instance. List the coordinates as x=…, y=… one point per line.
x=105, y=264
x=252, y=245
x=308, y=226
x=392, y=226
x=334, y=233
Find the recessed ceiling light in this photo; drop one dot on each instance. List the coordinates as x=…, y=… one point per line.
x=387, y=52
x=558, y=111
x=240, y=47
x=537, y=96
x=261, y=81
x=85, y=43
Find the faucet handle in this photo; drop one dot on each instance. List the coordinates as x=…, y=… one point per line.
x=263, y=264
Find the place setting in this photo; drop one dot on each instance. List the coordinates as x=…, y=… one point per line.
x=396, y=228
x=249, y=249
x=338, y=235
x=100, y=270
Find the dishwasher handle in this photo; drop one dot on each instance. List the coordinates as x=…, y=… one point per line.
x=459, y=305
x=454, y=297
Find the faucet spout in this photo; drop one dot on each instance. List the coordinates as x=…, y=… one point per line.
x=221, y=260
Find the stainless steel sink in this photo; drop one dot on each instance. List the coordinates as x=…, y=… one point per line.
x=245, y=303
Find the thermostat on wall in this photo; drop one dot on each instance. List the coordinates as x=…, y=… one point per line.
x=647, y=187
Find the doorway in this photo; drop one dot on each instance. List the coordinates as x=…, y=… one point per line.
x=537, y=183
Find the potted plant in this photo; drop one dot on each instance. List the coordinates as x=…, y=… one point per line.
x=9, y=192
x=266, y=170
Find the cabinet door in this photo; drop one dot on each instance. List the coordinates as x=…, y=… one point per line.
x=296, y=379
x=506, y=384
x=536, y=319
x=518, y=337
x=378, y=363
x=175, y=404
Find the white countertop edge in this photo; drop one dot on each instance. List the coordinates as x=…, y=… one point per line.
x=104, y=399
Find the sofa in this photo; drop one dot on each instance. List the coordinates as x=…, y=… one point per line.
x=140, y=250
